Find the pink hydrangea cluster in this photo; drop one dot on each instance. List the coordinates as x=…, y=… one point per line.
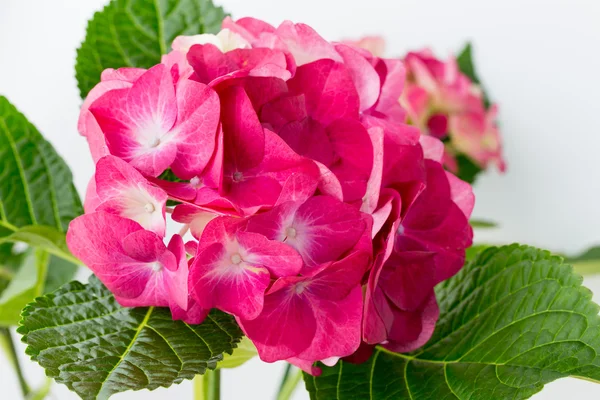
x=443, y=102
x=302, y=202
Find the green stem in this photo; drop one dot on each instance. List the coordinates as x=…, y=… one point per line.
x=208, y=386
x=290, y=381
x=11, y=352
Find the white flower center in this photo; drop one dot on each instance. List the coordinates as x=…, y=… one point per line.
x=149, y=207
x=300, y=287
x=154, y=142
x=291, y=232
x=236, y=258
x=156, y=266
x=195, y=182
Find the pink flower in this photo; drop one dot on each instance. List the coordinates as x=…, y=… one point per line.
x=318, y=217
x=233, y=268
x=155, y=125
x=304, y=313
x=321, y=229
x=476, y=134
x=442, y=102
x=123, y=191
x=420, y=247
x=132, y=262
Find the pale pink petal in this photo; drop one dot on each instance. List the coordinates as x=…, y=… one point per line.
x=305, y=44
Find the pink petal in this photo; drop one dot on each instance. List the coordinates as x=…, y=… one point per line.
x=244, y=138
x=321, y=229
x=279, y=258
x=196, y=128
x=124, y=191
x=329, y=90
x=291, y=321
x=220, y=278
x=97, y=240
x=366, y=80
x=305, y=44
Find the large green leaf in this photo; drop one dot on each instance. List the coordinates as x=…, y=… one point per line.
x=512, y=320
x=135, y=33
x=84, y=339
x=37, y=195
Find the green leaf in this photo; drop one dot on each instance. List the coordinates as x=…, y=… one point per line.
x=467, y=169
x=135, y=33
x=37, y=195
x=514, y=319
x=84, y=339
x=244, y=351
x=27, y=284
x=587, y=263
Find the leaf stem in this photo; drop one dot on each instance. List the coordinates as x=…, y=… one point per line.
x=208, y=386
x=289, y=382
x=11, y=352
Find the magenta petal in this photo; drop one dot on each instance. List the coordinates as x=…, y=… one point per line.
x=196, y=128
x=408, y=277
x=244, y=138
x=291, y=321
x=279, y=258
x=325, y=229
x=147, y=247
x=338, y=331
x=220, y=278
x=329, y=90
x=411, y=330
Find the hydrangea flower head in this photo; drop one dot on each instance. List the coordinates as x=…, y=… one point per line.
x=308, y=208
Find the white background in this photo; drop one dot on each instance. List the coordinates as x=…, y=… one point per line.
x=539, y=59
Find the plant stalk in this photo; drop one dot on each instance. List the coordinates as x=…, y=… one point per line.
x=289, y=382
x=11, y=352
x=208, y=386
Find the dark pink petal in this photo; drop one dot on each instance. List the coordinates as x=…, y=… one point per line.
x=208, y=62
x=435, y=223
x=291, y=321
x=244, y=137
x=354, y=154
x=196, y=128
x=329, y=90
x=407, y=278
x=338, y=331
x=411, y=330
